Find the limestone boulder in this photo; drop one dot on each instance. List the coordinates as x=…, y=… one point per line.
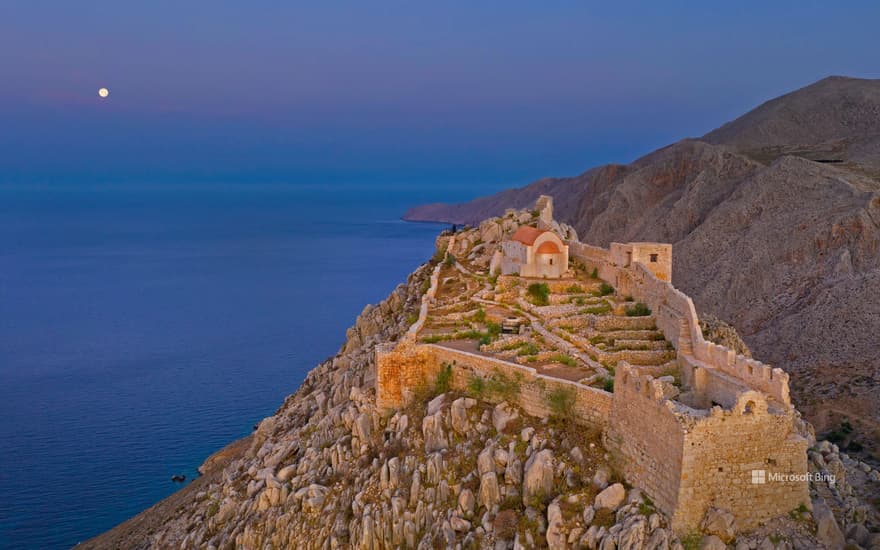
x=432, y=430
x=490, y=494
x=538, y=476
x=632, y=535
x=458, y=415
x=503, y=414
x=719, y=522
x=556, y=537
x=611, y=497
x=827, y=530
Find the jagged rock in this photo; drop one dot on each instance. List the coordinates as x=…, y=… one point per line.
x=486, y=461
x=859, y=534
x=711, y=542
x=436, y=404
x=611, y=497
x=459, y=524
x=601, y=477
x=632, y=535
x=458, y=415
x=538, y=476
x=362, y=427
x=659, y=540
x=432, y=430
x=556, y=538
x=490, y=495
x=827, y=530
x=502, y=415
x=466, y=502
x=284, y=474
x=588, y=515
x=719, y=522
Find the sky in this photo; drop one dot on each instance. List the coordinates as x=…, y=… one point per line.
x=483, y=94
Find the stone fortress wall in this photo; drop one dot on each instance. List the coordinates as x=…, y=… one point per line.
x=689, y=451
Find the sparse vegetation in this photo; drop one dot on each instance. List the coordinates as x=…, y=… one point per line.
x=440, y=253
x=692, y=540
x=638, y=310
x=503, y=386
x=564, y=359
x=604, y=517
x=476, y=387
x=608, y=384
x=604, y=290
x=574, y=289
x=443, y=382
x=600, y=309
x=539, y=293
x=561, y=401
x=595, y=273
x=505, y=524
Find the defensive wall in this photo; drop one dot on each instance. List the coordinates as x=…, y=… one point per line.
x=689, y=445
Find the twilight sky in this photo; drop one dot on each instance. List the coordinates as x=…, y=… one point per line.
x=485, y=93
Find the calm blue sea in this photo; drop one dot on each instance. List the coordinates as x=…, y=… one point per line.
x=144, y=327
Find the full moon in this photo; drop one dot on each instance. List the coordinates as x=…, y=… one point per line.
x=103, y=92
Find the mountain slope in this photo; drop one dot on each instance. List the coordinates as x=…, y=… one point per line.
x=767, y=234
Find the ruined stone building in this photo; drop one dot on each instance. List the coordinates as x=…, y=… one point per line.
x=699, y=431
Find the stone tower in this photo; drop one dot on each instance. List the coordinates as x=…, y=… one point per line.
x=544, y=206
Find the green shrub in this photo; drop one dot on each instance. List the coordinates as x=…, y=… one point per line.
x=578, y=300
x=503, y=386
x=574, y=289
x=450, y=260
x=604, y=290
x=561, y=401
x=564, y=359
x=527, y=348
x=493, y=329
x=692, y=541
x=595, y=273
x=600, y=309
x=476, y=387
x=479, y=316
x=440, y=253
x=638, y=310
x=540, y=293
x=608, y=385
x=443, y=382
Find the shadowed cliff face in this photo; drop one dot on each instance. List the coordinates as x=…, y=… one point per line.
x=766, y=236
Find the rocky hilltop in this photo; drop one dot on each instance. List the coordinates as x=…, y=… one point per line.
x=775, y=222
x=456, y=469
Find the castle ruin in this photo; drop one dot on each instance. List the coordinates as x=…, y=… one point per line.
x=692, y=423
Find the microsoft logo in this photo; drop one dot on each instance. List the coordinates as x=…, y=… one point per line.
x=759, y=477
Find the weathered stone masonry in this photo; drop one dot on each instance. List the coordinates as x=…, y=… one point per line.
x=689, y=448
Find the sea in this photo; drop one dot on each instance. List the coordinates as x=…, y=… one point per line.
x=145, y=326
